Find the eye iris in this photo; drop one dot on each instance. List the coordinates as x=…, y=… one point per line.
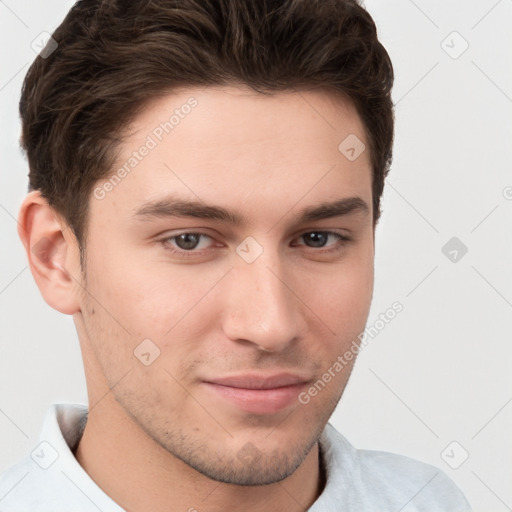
x=187, y=241
x=316, y=239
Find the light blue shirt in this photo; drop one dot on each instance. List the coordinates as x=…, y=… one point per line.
x=51, y=479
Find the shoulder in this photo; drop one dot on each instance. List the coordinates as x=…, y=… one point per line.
x=411, y=483
x=28, y=487
x=387, y=481
x=50, y=479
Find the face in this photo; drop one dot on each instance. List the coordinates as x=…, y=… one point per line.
x=228, y=268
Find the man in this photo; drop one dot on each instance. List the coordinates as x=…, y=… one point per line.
x=205, y=187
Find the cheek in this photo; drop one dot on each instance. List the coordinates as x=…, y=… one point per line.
x=146, y=298
x=344, y=295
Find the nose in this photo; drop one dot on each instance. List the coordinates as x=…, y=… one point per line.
x=261, y=306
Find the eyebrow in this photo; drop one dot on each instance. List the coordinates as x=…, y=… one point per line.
x=174, y=207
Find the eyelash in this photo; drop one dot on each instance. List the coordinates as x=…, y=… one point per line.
x=166, y=242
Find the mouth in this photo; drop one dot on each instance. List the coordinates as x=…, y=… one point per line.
x=257, y=393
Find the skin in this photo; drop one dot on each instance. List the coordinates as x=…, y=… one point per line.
x=157, y=437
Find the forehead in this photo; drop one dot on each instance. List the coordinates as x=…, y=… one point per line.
x=240, y=115
x=232, y=144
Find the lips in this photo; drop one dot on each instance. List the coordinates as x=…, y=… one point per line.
x=257, y=393
x=260, y=381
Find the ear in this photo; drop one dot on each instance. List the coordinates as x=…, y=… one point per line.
x=53, y=253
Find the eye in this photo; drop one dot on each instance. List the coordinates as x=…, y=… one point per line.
x=189, y=241
x=320, y=239
x=194, y=244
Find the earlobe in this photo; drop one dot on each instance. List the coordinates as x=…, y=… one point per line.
x=52, y=252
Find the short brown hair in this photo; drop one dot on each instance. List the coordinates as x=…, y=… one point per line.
x=113, y=56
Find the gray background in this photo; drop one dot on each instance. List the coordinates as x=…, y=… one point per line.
x=440, y=371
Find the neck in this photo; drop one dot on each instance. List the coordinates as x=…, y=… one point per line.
x=139, y=475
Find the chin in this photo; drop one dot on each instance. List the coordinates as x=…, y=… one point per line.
x=254, y=464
